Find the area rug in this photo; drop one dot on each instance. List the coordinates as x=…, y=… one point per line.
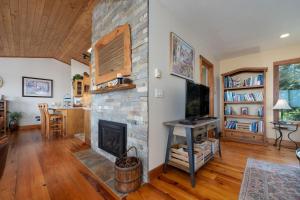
x=268, y=181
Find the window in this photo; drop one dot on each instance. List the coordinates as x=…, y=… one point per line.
x=207, y=78
x=289, y=89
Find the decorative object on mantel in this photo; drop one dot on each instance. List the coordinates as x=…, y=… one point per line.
x=120, y=78
x=128, y=172
x=113, y=55
x=114, y=88
x=37, y=87
x=181, y=57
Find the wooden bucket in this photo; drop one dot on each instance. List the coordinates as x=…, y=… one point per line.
x=128, y=173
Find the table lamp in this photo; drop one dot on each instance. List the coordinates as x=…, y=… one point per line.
x=281, y=105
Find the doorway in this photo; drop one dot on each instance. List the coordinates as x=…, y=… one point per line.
x=207, y=78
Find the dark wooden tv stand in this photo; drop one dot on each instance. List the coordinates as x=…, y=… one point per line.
x=189, y=128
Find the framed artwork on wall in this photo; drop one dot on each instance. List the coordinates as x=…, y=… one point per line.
x=182, y=56
x=37, y=87
x=113, y=55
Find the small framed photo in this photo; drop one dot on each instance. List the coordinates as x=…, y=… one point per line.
x=37, y=87
x=244, y=110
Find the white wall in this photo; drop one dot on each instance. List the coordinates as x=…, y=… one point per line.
x=172, y=106
x=78, y=68
x=264, y=59
x=12, y=70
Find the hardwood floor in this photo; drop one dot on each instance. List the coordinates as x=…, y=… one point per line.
x=219, y=179
x=41, y=169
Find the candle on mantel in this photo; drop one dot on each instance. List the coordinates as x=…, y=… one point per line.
x=120, y=78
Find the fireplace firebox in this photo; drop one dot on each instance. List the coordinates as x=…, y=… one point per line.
x=112, y=137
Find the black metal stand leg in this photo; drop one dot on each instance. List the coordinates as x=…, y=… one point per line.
x=275, y=144
x=170, y=138
x=190, y=142
x=218, y=136
x=292, y=140
x=280, y=139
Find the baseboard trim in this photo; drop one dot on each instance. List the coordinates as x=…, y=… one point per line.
x=29, y=127
x=154, y=173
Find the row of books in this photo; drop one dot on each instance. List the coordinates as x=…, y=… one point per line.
x=253, y=81
x=231, y=124
x=232, y=96
x=255, y=127
x=230, y=82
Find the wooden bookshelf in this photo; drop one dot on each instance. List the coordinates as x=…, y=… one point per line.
x=241, y=135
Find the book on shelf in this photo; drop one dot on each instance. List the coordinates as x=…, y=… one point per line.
x=251, y=96
x=230, y=82
x=260, y=111
x=228, y=110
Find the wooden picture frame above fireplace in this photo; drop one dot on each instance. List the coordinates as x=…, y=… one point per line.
x=113, y=55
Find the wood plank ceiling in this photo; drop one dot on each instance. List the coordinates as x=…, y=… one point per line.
x=59, y=29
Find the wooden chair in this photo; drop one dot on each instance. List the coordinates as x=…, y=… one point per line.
x=54, y=122
x=3, y=153
x=42, y=107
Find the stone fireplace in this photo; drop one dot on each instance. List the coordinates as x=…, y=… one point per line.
x=112, y=137
x=129, y=107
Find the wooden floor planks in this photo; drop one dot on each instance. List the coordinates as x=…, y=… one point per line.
x=42, y=169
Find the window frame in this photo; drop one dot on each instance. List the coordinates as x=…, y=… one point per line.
x=210, y=80
x=276, y=66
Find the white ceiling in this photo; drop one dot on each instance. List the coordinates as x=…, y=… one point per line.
x=236, y=27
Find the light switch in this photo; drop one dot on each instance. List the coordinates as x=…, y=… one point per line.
x=157, y=73
x=158, y=93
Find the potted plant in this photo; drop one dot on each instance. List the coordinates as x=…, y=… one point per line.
x=77, y=77
x=14, y=118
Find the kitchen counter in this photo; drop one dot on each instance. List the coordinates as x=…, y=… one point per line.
x=69, y=108
x=75, y=120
